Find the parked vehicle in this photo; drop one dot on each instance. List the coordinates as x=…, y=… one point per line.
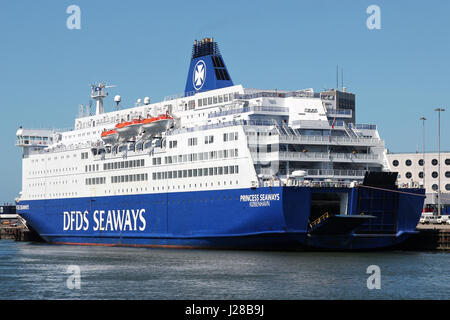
x=443, y=219
x=431, y=220
x=424, y=218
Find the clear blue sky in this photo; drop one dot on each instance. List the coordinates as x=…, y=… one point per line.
x=399, y=73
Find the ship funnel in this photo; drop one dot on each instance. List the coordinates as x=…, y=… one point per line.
x=207, y=70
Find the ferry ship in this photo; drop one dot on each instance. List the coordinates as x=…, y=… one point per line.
x=218, y=166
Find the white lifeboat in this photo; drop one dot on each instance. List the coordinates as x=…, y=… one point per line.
x=109, y=136
x=157, y=125
x=128, y=130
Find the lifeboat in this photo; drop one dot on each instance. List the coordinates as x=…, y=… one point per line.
x=157, y=125
x=129, y=129
x=110, y=136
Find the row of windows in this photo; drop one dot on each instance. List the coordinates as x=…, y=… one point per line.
x=130, y=178
x=43, y=184
x=84, y=155
x=216, y=99
x=124, y=164
x=192, y=142
x=49, y=159
x=202, y=172
x=209, y=139
x=54, y=195
x=172, y=144
x=52, y=170
x=194, y=185
x=232, y=136
x=98, y=180
x=91, y=168
x=434, y=174
x=435, y=187
x=211, y=155
x=408, y=162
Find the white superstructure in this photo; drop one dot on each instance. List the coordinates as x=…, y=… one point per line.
x=220, y=139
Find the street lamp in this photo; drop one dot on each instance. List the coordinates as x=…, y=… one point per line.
x=439, y=110
x=423, y=149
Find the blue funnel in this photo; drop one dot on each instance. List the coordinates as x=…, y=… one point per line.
x=207, y=70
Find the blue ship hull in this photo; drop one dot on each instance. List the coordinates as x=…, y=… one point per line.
x=263, y=218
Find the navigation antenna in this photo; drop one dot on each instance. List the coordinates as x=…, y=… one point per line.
x=98, y=93
x=89, y=108
x=80, y=111
x=117, y=100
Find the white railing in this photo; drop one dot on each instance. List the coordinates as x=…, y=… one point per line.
x=71, y=147
x=335, y=173
x=320, y=140
x=275, y=94
x=324, y=173
x=249, y=109
x=285, y=155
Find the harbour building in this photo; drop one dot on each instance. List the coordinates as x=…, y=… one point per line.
x=414, y=170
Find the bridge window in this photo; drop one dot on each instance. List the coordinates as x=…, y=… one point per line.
x=209, y=139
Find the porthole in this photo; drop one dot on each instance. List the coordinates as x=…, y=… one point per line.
x=395, y=163
x=447, y=187
x=408, y=162
x=421, y=162
x=421, y=175
x=447, y=174
x=447, y=162
x=435, y=187
x=408, y=175
x=434, y=174
x=434, y=162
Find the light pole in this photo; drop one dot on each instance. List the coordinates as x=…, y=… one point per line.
x=439, y=110
x=423, y=149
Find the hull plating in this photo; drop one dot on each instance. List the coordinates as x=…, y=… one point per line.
x=266, y=218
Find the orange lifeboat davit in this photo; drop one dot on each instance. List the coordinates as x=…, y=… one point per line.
x=156, y=125
x=109, y=136
x=128, y=130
